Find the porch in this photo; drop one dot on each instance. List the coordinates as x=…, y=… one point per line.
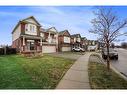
x=31, y=44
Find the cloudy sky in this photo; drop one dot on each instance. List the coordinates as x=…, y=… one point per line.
x=76, y=19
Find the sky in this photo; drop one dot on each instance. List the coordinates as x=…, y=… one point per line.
x=75, y=19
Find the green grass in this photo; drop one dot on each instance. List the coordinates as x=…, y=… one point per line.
x=101, y=78
x=18, y=72
x=70, y=52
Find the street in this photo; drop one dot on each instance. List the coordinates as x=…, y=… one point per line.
x=121, y=63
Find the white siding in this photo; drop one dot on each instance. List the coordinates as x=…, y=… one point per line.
x=66, y=39
x=42, y=34
x=78, y=39
x=56, y=36
x=31, y=20
x=16, y=33
x=74, y=39
x=53, y=29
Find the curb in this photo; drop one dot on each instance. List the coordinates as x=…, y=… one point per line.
x=114, y=69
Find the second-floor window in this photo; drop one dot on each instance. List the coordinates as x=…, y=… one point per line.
x=30, y=27
x=78, y=39
x=66, y=39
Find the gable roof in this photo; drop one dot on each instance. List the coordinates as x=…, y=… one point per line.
x=63, y=32
x=84, y=38
x=52, y=29
x=32, y=18
x=24, y=20
x=76, y=35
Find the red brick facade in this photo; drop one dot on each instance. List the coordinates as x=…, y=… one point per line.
x=61, y=41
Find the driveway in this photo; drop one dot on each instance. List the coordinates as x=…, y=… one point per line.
x=69, y=55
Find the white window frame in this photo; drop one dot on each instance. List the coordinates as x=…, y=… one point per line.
x=66, y=39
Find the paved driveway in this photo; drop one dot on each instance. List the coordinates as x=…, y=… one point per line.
x=69, y=55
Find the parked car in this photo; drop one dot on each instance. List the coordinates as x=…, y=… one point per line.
x=91, y=48
x=112, y=53
x=81, y=49
x=78, y=49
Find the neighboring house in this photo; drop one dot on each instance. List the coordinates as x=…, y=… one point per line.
x=76, y=41
x=93, y=44
x=84, y=43
x=64, y=41
x=50, y=40
x=26, y=36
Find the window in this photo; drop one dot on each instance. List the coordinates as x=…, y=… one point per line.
x=33, y=29
x=30, y=27
x=26, y=27
x=66, y=39
x=31, y=45
x=78, y=39
x=42, y=34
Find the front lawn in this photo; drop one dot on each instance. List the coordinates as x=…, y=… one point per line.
x=101, y=78
x=18, y=72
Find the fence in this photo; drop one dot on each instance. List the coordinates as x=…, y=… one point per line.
x=7, y=50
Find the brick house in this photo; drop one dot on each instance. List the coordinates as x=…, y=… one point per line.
x=84, y=43
x=64, y=41
x=76, y=41
x=26, y=36
x=93, y=44
x=50, y=40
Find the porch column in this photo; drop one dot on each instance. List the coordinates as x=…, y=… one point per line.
x=49, y=39
x=23, y=43
x=41, y=44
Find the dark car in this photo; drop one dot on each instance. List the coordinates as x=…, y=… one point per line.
x=112, y=53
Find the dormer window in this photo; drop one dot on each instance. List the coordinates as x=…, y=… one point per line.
x=26, y=27
x=30, y=27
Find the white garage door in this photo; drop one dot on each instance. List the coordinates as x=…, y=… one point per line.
x=48, y=49
x=66, y=48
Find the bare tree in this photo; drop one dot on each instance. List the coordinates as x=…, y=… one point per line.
x=107, y=26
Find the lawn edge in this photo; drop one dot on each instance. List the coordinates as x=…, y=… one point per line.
x=111, y=67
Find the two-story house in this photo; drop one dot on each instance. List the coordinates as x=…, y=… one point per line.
x=93, y=44
x=26, y=36
x=64, y=41
x=50, y=40
x=84, y=43
x=76, y=41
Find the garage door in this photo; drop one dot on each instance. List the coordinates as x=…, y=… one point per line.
x=48, y=49
x=66, y=48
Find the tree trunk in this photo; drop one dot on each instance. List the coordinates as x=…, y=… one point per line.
x=108, y=60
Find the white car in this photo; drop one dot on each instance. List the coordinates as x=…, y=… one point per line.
x=91, y=48
x=78, y=49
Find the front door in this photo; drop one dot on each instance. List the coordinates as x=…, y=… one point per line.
x=30, y=45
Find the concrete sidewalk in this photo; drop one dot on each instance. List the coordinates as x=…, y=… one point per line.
x=77, y=76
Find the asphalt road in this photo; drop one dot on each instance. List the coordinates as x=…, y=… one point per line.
x=121, y=63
